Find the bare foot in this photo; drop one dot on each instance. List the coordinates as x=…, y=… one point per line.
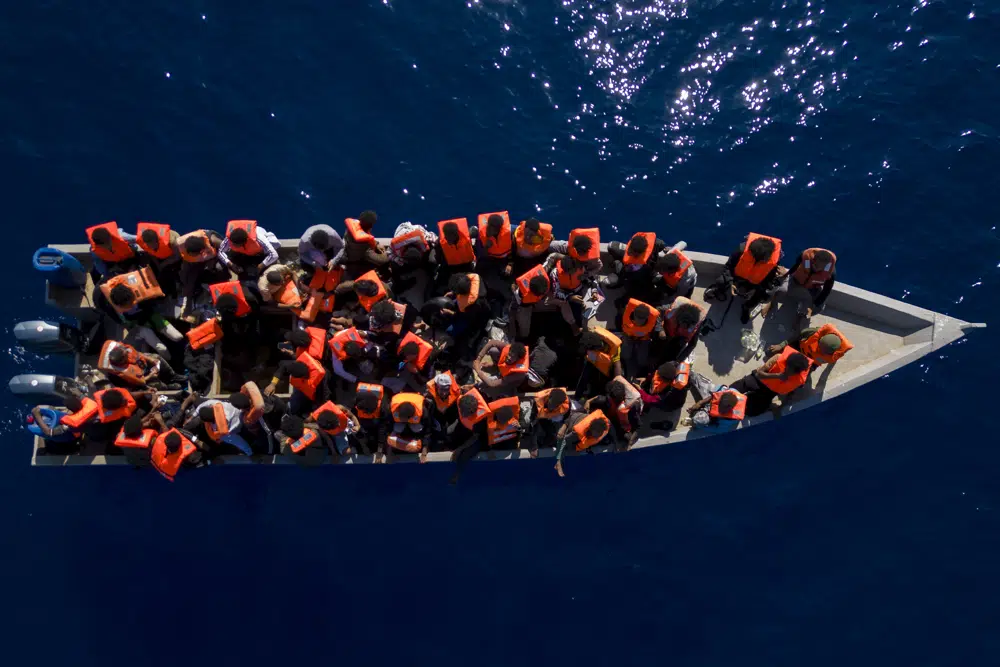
x=559, y=469
x=533, y=453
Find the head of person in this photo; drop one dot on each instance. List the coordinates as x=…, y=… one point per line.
x=327, y=420
x=637, y=247
x=227, y=304
x=568, y=264
x=468, y=406
x=590, y=340
x=384, y=313
x=172, y=441
x=494, y=224
x=442, y=385
x=240, y=401
x=669, y=263
x=195, y=244
x=101, y=237
x=688, y=315
x=516, y=352
x=829, y=343
x=555, y=399
x=368, y=220
x=641, y=315
x=727, y=402
x=367, y=288
x=298, y=369
x=292, y=426
x=366, y=402
x=460, y=284
x=298, y=338
x=582, y=245
x=73, y=404
x=274, y=278
x=150, y=238
x=597, y=428
x=532, y=230
x=821, y=258
x=409, y=351
x=616, y=391
x=405, y=411
x=411, y=255
x=538, y=285
x=353, y=349
x=761, y=249
x=113, y=399
x=319, y=239
x=239, y=237
x=206, y=414
x=451, y=233
x=796, y=363
x=132, y=428
x=503, y=414
x=667, y=371
x=118, y=356
x=121, y=296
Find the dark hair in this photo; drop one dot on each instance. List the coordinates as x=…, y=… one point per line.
x=516, y=351
x=762, y=249
x=320, y=239
x=616, y=390
x=822, y=257
x=118, y=356
x=206, y=413
x=406, y=410
x=451, y=233
x=101, y=236
x=728, y=401
x=467, y=405
x=366, y=287
x=239, y=236
x=327, y=420
x=298, y=338
x=274, y=278
x=408, y=349
x=291, y=425
x=641, y=314
x=150, y=238
x=172, y=441
x=668, y=370
x=503, y=414
x=298, y=369
x=366, y=401
x=568, y=264
x=122, y=296
x=582, y=244
x=669, y=262
x=227, y=303
x=589, y=340
x=538, y=285
x=494, y=224
x=412, y=254
x=73, y=403
x=367, y=219
x=555, y=398
x=132, y=426
x=113, y=399
x=532, y=225
x=384, y=312
x=240, y=401
x=797, y=362
x=460, y=283
x=353, y=349
x=597, y=428
x=687, y=314
x=637, y=246
x=194, y=244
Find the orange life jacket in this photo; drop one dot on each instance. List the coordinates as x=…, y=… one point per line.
x=750, y=269
x=632, y=329
x=810, y=346
x=342, y=338
x=527, y=296
x=219, y=425
x=289, y=295
x=680, y=380
x=325, y=280
x=308, y=439
x=81, y=416
x=482, y=409
x=543, y=413
x=737, y=412
x=142, y=283
x=358, y=234
x=594, y=234
x=453, y=392
x=414, y=237
x=604, y=361
x=106, y=415
x=641, y=260
x=497, y=432
x=136, y=364
x=672, y=279
x=670, y=325
x=580, y=428
x=397, y=326
x=308, y=385
x=507, y=367
x=232, y=287
x=312, y=307
x=495, y=247
x=162, y=235
x=416, y=400
x=525, y=249
x=317, y=343
x=205, y=334
x=811, y=276
x=252, y=247
x=368, y=301
x=423, y=353
x=208, y=253
x=367, y=388
x=342, y=420
x=256, y=411
x=462, y=253
x=466, y=300
x=168, y=464
x=409, y=445
x=120, y=248
x=568, y=281
x=143, y=441
x=790, y=384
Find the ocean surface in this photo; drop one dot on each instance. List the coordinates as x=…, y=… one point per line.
x=864, y=531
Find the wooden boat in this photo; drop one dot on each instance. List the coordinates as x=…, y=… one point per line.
x=887, y=334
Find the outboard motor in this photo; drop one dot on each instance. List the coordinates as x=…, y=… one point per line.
x=52, y=418
x=48, y=337
x=60, y=268
x=36, y=388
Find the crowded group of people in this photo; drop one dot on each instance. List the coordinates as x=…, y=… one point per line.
x=464, y=338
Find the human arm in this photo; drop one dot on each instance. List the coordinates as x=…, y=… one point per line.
x=223, y=254
x=265, y=240
x=338, y=368
x=820, y=301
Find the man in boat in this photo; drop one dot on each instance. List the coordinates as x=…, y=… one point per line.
x=411, y=256
x=455, y=251
x=353, y=354
x=532, y=239
x=308, y=380
x=134, y=367
x=178, y=449
x=318, y=247
x=371, y=405
x=410, y=426
x=469, y=434
x=443, y=391
x=634, y=263
x=681, y=322
x=248, y=248
x=221, y=422
x=569, y=284
x=640, y=323
x=751, y=272
x=335, y=423
x=622, y=405
x=823, y=345
x=113, y=406
x=200, y=265
x=602, y=352
x=717, y=408
x=462, y=313
x=581, y=431
x=362, y=251
x=780, y=375
x=584, y=246
x=417, y=358
x=275, y=281
x=300, y=442
x=534, y=291
x=501, y=368
x=162, y=251
x=112, y=249
x=551, y=408
x=809, y=282
x=494, y=252
x=674, y=275
x=667, y=386
x=138, y=308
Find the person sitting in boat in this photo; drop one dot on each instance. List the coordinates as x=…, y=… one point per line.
x=622, y=405
x=113, y=407
x=552, y=407
x=354, y=354
x=506, y=423
x=584, y=246
x=780, y=375
x=161, y=245
x=200, y=265
x=335, y=423
x=494, y=251
x=455, y=251
x=409, y=430
x=602, y=350
x=63, y=427
x=581, y=431
x=308, y=379
x=534, y=290
x=369, y=290
x=248, y=248
x=237, y=304
x=361, y=252
x=135, y=440
x=569, y=284
x=416, y=363
x=221, y=422
x=112, y=249
x=809, y=282
x=300, y=442
x=411, y=252
x=634, y=263
x=532, y=239
x=135, y=299
x=667, y=386
x=463, y=312
x=389, y=321
x=177, y=449
x=674, y=275
x=135, y=368
x=823, y=345
x=682, y=322
x=319, y=246
x=469, y=434
x=751, y=272
x=275, y=282
x=501, y=368
x=371, y=405
x=640, y=323
x=443, y=390
x=717, y=408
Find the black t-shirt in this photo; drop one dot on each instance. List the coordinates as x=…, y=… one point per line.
x=541, y=358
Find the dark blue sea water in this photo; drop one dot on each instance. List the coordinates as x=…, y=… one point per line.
x=864, y=530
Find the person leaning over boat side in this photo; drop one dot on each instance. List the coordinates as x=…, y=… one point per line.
x=635, y=261
x=318, y=246
x=177, y=449
x=809, y=281
x=335, y=423
x=717, y=407
x=674, y=275
x=823, y=345
x=581, y=431
x=410, y=428
x=780, y=375
x=532, y=239
x=112, y=249
x=248, y=248
x=361, y=252
x=622, y=405
x=300, y=442
x=221, y=421
x=552, y=406
x=469, y=434
x=751, y=271
x=411, y=252
x=443, y=389
x=371, y=405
